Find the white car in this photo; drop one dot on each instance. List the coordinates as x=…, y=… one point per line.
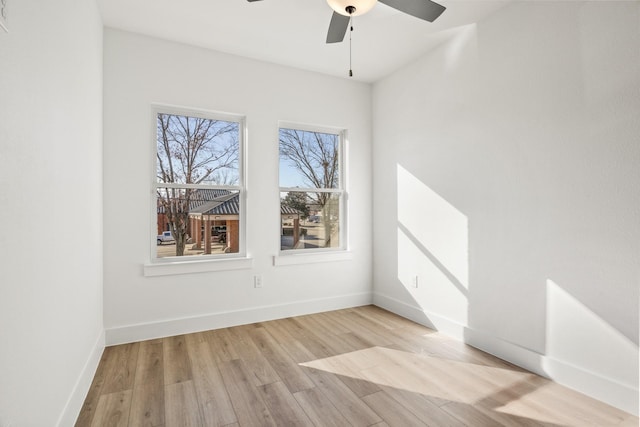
x=166, y=236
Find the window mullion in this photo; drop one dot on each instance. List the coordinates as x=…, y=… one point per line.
x=311, y=190
x=196, y=186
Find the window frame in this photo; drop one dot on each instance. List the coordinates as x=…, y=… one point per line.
x=312, y=255
x=158, y=266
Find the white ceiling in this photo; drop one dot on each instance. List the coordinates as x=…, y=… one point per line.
x=293, y=32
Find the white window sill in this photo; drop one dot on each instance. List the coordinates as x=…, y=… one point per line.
x=199, y=266
x=309, y=258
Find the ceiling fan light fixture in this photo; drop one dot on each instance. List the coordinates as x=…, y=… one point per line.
x=362, y=6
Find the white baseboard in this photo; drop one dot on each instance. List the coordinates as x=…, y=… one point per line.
x=593, y=384
x=170, y=327
x=81, y=388
x=622, y=396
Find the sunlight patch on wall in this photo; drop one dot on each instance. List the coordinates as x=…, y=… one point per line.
x=436, y=225
x=578, y=336
x=436, y=291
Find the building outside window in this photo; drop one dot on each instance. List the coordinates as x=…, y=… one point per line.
x=312, y=194
x=199, y=189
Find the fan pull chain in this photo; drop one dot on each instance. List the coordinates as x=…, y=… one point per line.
x=350, y=32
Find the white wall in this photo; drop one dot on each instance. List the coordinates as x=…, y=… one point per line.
x=507, y=176
x=51, y=330
x=140, y=71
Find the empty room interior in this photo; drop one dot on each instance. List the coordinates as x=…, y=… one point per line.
x=289, y=212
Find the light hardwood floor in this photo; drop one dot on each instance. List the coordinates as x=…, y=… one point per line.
x=355, y=367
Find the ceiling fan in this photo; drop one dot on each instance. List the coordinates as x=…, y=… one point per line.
x=345, y=9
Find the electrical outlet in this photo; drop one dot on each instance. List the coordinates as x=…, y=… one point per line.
x=3, y=15
x=257, y=281
x=414, y=281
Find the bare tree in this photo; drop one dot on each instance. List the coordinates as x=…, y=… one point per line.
x=315, y=156
x=191, y=150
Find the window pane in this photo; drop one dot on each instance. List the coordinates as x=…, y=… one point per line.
x=309, y=159
x=195, y=150
x=309, y=220
x=195, y=222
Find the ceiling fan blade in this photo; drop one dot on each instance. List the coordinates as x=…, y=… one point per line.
x=337, y=28
x=252, y=0
x=423, y=9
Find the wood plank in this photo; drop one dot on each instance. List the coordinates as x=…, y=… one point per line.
x=221, y=344
x=177, y=367
x=261, y=371
x=288, y=371
x=122, y=368
x=147, y=406
x=296, y=351
x=390, y=336
x=247, y=402
x=93, y=395
x=333, y=344
x=150, y=365
x=580, y=407
x=510, y=420
x=354, y=323
x=354, y=341
x=283, y=407
x=306, y=337
x=398, y=369
x=392, y=412
x=345, y=400
x=401, y=325
x=493, y=404
x=423, y=408
x=181, y=405
x=280, y=332
x=319, y=408
x=469, y=415
x=374, y=318
x=552, y=403
x=113, y=410
x=335, y=325
x=348, y=367
x=629, y=421
x=212, y=395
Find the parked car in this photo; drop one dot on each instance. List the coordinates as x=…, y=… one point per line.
x=221, y=232
x=166, y=236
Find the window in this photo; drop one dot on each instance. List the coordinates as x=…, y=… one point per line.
x=199, y=193
x=312, y=195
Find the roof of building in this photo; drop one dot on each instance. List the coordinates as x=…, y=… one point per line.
x=228, y=204
x=288, y=210
x=221, y=202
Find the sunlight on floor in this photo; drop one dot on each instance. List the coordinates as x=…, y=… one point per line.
x=544, y=403
x=431, y=376
x=515, y=394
